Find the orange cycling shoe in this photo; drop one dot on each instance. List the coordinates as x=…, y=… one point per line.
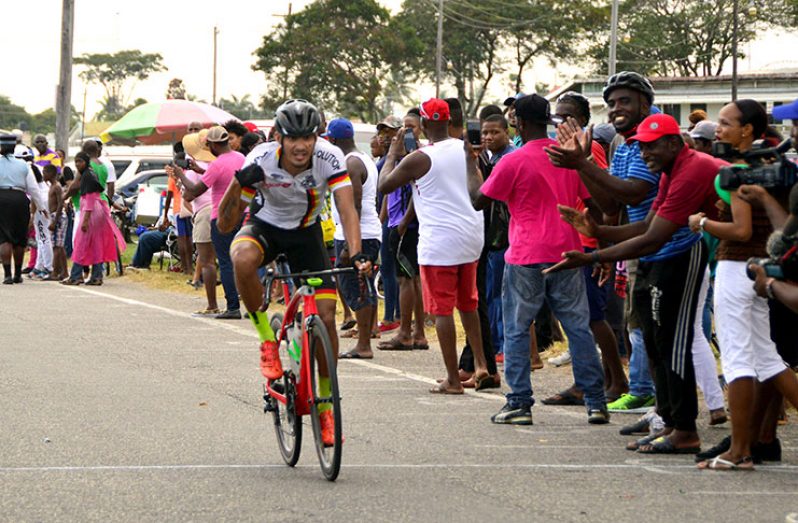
x=327, y=422
x=270, y=365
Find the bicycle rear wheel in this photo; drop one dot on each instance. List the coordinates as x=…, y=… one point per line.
x=320, y=344
x=287, y=425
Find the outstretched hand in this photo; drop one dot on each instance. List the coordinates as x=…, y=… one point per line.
x=570, y=260
x=574, y=145
x=579, y=220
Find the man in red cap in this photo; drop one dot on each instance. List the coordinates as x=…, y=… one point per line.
x=450, y=235
x=672, y=281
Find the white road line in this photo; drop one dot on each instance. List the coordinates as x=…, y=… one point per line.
x=420, y=466
x=363, y=363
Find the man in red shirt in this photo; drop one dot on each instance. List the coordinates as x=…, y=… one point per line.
x=669, y=287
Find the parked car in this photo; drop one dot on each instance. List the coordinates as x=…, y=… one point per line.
x=128, y=166
x=149, y=188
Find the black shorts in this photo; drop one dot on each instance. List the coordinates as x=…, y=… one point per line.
x=350, y=284
x=14, y=217
x=304, y=248
x=405, y=252
x=784, y=332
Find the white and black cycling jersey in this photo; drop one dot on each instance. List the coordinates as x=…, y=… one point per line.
x=294, y=202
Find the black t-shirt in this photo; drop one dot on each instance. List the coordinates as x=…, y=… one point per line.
x=89, y=182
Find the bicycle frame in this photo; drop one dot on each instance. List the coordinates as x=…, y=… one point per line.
x=306, y=295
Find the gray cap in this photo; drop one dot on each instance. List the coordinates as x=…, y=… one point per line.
x=704, y=129
x=391, y=122
x=603, y=132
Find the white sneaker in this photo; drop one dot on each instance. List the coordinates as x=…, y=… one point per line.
x=562, y=359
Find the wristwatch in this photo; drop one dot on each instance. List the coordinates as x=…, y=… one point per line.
x=769, y=288
x=702, y=222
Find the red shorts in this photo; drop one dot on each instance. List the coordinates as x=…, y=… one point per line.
x=447, y=287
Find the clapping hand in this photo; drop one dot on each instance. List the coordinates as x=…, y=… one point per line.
x=581, y=221
x=574, y=145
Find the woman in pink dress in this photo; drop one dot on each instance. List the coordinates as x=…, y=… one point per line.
x=97, y=238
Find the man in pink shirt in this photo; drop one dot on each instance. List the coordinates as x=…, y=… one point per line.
x=532, y=188
x=217, y=179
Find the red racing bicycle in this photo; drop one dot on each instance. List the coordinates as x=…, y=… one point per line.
x=306, y=352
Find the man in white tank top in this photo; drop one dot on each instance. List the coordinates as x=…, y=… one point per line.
x=363, y=175
x=450, y=235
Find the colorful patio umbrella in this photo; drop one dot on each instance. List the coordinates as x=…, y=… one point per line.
x=166, y=121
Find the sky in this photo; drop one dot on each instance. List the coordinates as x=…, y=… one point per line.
x=182, y=32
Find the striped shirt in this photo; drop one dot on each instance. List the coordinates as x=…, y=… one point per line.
x=627, y=163
x=50, y=157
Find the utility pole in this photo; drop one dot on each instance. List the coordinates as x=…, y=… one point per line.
x=215, y=34
x=287, y=30
x=735, y=23
x=63, y=105
x=439, y=51
x=613, y=37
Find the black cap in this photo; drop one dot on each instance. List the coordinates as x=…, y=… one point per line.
x=535, y=109
x=8, y=139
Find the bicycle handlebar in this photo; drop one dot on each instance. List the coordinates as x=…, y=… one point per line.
x=271, y=275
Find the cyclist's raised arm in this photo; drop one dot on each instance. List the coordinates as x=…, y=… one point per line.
x=231, y=208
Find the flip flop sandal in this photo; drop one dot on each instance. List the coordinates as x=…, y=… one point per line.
x=349, y=334
x=636, y=444
x=394, y=344
x=352, y=355
x=486, y=382
x=718, y=463
x=663, y=445
x=345, y=326
x=420, y=346
x=564, y=398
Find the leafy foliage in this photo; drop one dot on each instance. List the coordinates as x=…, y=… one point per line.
x=115, y=72
x=692, y=37
x=13, y=116
x=335, y=53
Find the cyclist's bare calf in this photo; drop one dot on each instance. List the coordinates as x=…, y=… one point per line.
x=246, y=260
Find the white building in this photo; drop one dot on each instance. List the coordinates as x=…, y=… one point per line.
x=678, y=96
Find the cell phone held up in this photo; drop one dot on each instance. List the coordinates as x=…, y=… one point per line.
x=181, y=160
x=410, y=141
x=474, y=133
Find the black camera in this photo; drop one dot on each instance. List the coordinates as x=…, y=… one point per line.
x=765, y=166
x=783, y=261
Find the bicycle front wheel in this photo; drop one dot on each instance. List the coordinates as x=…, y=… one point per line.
x=287, y=425
x=326, y=404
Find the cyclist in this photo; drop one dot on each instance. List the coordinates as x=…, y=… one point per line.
x=286, y=182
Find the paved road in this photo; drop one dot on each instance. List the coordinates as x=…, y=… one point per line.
x=116, y=405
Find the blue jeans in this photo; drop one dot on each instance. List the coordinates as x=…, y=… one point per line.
x=493, y=295
x=640, y=382
x=77, y=271
x=390, y=285
x=708, y=310
x=221, y=243
x=149, y=243
x=524, y=288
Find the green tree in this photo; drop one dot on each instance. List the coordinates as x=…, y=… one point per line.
x=336, y=53
x=551, y=29
x=116, y=72
x=470, y=46
x=12, y=116
x=241, y=107
x=176, y=90
x=692, y=37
